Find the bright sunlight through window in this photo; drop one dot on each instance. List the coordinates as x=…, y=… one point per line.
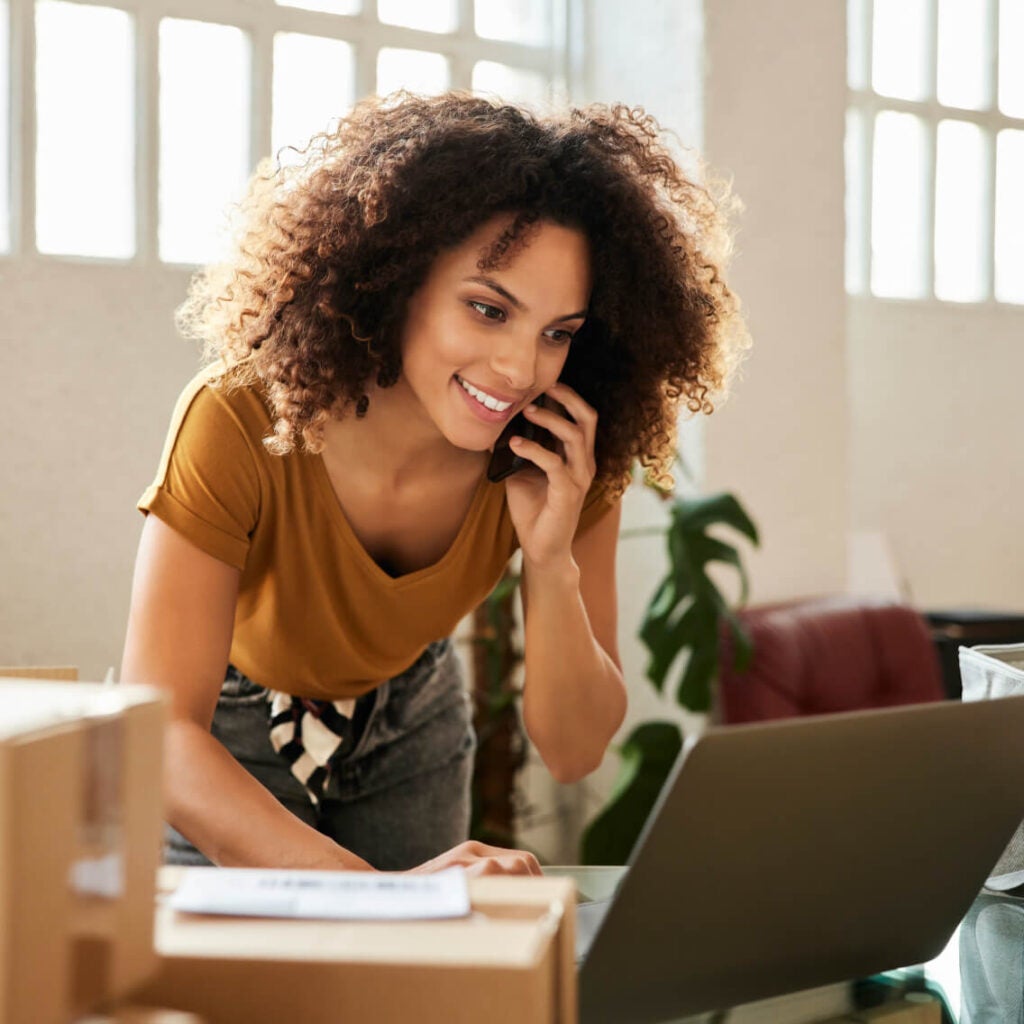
x=149, y=117
x=85, y=165
x=934, y=162
x=204, y=134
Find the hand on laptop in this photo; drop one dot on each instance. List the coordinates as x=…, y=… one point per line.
x=480, y=859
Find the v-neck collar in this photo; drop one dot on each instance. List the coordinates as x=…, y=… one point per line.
x=337, y=514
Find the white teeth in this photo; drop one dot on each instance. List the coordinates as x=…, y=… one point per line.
x=483, y=398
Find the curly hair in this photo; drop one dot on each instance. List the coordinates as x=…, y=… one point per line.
x=329, y=251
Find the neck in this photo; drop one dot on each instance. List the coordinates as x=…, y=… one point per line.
x=396, y=440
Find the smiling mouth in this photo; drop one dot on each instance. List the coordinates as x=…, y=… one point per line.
x=486, y=400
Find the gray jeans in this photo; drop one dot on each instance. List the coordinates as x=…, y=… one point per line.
x=399, y=796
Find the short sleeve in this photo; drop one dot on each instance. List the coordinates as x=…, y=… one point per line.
x=208, y=484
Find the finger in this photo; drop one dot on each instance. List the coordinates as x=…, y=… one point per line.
x=550, y=462
x=577, y=406
x=575, y=441
x=565, y=430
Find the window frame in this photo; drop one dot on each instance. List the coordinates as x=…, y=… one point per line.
x=865, y=104
x=260, y=20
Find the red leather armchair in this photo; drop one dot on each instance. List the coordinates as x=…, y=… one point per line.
x=827, y=655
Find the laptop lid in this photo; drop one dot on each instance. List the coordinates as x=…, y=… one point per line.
x=790, y=854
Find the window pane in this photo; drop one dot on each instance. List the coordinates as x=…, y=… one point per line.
x=330, y=6
x=204, y=134
x=5, y=153
x=313, y=85
x=85, y=164
x=415, y=70
x=428, y=15
x=964, y=54
x=1011, y=64
x=856, y=45
x=898, y=60
x=515, y=21
x=899, y=219
x=856, y=206
x=960, y=247
x=1010, y=217
x=513, y=84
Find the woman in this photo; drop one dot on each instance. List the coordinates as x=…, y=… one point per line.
x=322, y=515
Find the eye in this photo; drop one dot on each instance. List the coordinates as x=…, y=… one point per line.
x=559, y=335
x=486, y=310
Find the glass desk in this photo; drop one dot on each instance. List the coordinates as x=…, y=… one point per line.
x=980, y=974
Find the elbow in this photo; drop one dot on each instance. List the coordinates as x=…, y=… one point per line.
x=566, y=772
x=564, y=763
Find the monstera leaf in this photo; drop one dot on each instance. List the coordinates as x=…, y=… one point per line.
x=685, y=613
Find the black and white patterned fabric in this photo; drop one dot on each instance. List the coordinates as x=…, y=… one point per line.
x=309, y=734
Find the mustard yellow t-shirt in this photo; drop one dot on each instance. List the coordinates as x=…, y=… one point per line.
x=316, y=616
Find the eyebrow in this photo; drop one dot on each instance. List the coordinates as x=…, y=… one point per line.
x=489, y=282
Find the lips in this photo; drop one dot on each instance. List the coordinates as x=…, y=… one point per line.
x=477, y=405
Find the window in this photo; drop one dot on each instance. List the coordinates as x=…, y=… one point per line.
x=148, y=115
x=934, y=150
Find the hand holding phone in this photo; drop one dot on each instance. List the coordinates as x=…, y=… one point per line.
x=504, y=462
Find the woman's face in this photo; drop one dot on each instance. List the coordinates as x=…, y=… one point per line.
x=479, y=345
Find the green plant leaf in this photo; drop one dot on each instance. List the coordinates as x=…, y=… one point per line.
x=744, y=645
x=648, y=756
x=694, y=691
x=706, y=549
x=697, y=514
x=664, y=600
x=668, y=642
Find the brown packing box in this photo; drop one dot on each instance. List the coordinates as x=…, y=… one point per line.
x=511, y=961
x=80, y=831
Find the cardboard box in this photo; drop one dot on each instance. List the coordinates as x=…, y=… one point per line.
x=511, y=961
x=80, y=835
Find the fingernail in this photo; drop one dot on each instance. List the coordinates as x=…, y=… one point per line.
x=515, y=442
x=531, y=408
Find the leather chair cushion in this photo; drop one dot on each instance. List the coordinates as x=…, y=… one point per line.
x=828, y=655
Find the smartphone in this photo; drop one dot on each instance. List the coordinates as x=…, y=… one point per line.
x=504, y=462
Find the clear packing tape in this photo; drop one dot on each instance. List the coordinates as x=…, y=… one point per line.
x=98, y=871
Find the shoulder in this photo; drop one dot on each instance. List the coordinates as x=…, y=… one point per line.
x=220, y=414
x=219, y=396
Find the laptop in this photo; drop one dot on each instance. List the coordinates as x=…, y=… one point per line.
x=791, y=854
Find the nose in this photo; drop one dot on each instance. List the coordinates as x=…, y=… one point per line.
x=514, y=359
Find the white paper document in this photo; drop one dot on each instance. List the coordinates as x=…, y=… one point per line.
x=340, y=895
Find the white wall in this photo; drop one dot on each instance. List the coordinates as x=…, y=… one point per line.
x=90, y=365
x=775, y=98
x=937, y=446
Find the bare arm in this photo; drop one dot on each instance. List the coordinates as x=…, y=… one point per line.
x=179, y=636
x=574, y=698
